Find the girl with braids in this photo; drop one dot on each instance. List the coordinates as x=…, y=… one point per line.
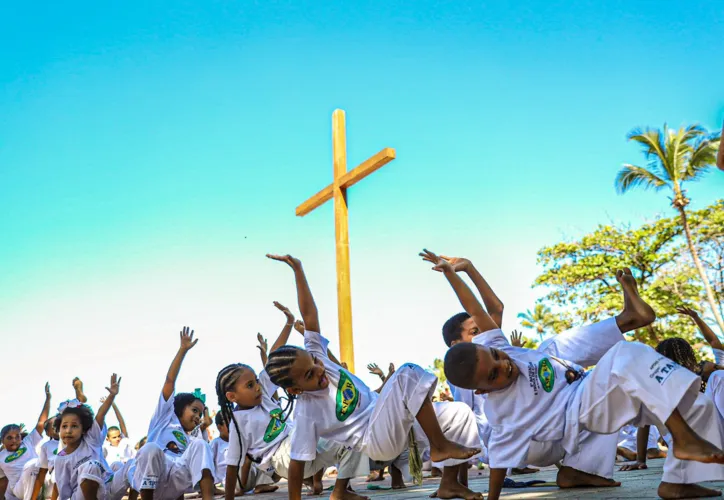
x=680, y=476
x=18, y=459
x=259, y=431
x=332, y=403
x=177, y=458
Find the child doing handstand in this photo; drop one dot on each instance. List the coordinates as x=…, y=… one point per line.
x=332, y=403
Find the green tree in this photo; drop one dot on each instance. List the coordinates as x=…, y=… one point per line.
x=541, y=319
x=674, y=158
x=708, y=230
x=580, y=276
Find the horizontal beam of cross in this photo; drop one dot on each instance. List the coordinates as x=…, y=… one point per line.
x=347, y=180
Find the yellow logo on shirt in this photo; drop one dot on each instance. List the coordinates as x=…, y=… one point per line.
x=275, y=427
x=14, y=456
x=546, y=374
x=180, y=437
x=347, y=397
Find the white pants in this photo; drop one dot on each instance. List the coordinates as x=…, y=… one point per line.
x=401, y=463
x=154, y=470
x=256, y=478
x=23, y=489
x=395, y=414
x=109, y=488
x=632, y=383
x=348, y=462
x=49, y=483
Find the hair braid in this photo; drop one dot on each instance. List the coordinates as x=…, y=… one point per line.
x=681, y=352
x=225, y=380
x=278, y=367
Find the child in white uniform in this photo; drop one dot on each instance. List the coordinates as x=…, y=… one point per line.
x=46, y=460
x=80, y=470
x=18, y=458
x=334, y=404
x=627, y=443
x=537, y=396
x=118, y=449
x=176, y=459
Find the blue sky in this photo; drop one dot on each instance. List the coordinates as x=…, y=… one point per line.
x=150, y=155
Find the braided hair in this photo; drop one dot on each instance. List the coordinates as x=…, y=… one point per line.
x=681, y=352
x=278, y=367
x=225, y=381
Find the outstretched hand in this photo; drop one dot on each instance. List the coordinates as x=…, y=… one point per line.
x=263, y=346
x=375, y=370
x=516, y=339
x=187, y=339
x=459, y=264
x=687, y=311
x=115, y=385
x=440, y=264
x=390, y=370
x=286, y=311
x=291, y=261
x=47, y=390
x=299, y=326
x=633, y=466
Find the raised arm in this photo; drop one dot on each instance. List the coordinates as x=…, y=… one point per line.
x=307, y=307
x=263, y=349
x=121, y=422
x=78, y=388
x=187, y=343
x=283, y=338
x=45, y=412
x=112, y=392
x=465, y=295
x=705, y=329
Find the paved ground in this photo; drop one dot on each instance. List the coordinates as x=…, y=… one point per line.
x=636, y=484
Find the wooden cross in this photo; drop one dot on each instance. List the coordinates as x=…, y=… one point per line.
x=341, y=180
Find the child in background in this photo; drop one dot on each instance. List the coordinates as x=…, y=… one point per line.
x=177, y=458
x=706, y=331
x=45, y=480
x=117, y=449
x=627, y=446
x=18, y=459
x=81, y=473
x=219, y=446
x=334, y=404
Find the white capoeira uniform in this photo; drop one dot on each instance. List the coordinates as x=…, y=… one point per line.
x=595, y=453
x=86, y=463
x=715, y=389
x=21, y=468
x=378, y=426
x=46, y=460
x=172, y=461
x=627, y=438
x=475, y=402
x=266, y=439
x=116, y=456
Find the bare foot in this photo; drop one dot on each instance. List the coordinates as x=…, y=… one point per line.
x=266, y=488
x=636, y=313
x=375, y=475
x=452, y=450
x=655, y=453
x=315, y=484
x=524, y=470
x=456, y=490
x=568, y=477
x=347, y=495
x=398, y=482
x=693, y=447
x=671, y=490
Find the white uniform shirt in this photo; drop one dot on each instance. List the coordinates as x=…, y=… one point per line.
x=219, y=447
x=121, y=453
x=339, y=413
x=533, y=408
x=89, y=450
x=48, y=452
x=166, y=431
x=11, y=464
x=262, y=430
x=718, y=356
x=715, y=390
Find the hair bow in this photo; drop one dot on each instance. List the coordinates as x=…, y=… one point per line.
x=70, y=403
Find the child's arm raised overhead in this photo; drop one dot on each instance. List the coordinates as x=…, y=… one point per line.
x=492, y=303
x=283, y=338
x=78, y=387
x=465, y=295
x=263, y=348
x=307, y=307
x=705, y=329
x=45, y=412
x=119, y=417
x=187, y=343
x=112, y=392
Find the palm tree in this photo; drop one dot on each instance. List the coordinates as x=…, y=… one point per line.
x=541, y=319
x=675, y=157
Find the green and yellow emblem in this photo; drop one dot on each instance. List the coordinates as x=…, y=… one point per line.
x=180, y=437
x=14, y=456
x=275, y=427
x=347, y=397
x=546, y=374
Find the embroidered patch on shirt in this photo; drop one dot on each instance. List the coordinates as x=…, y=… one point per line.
x=662, y=369
x=14, y=456
x=347, y=397
x=546, y=374
x=275, y=427
x=180, y=437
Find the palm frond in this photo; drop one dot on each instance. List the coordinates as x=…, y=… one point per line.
x=653, y=145
x=631, y=176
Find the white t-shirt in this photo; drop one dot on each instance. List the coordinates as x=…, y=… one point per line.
x=219, y=447
x=533, y=408
x=11, y=464
x=715, y=390
x=718, y=356
x=262, y=430
x=339, y=413
x=121, y=453
x=48, y=452
x=166, y=431
x=89, y=450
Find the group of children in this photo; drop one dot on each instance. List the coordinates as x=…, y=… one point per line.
x=513, y=408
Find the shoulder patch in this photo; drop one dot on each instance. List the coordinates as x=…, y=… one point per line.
x=275, y=427
x=546, y=374
x=14, y=456
x=347, y=397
